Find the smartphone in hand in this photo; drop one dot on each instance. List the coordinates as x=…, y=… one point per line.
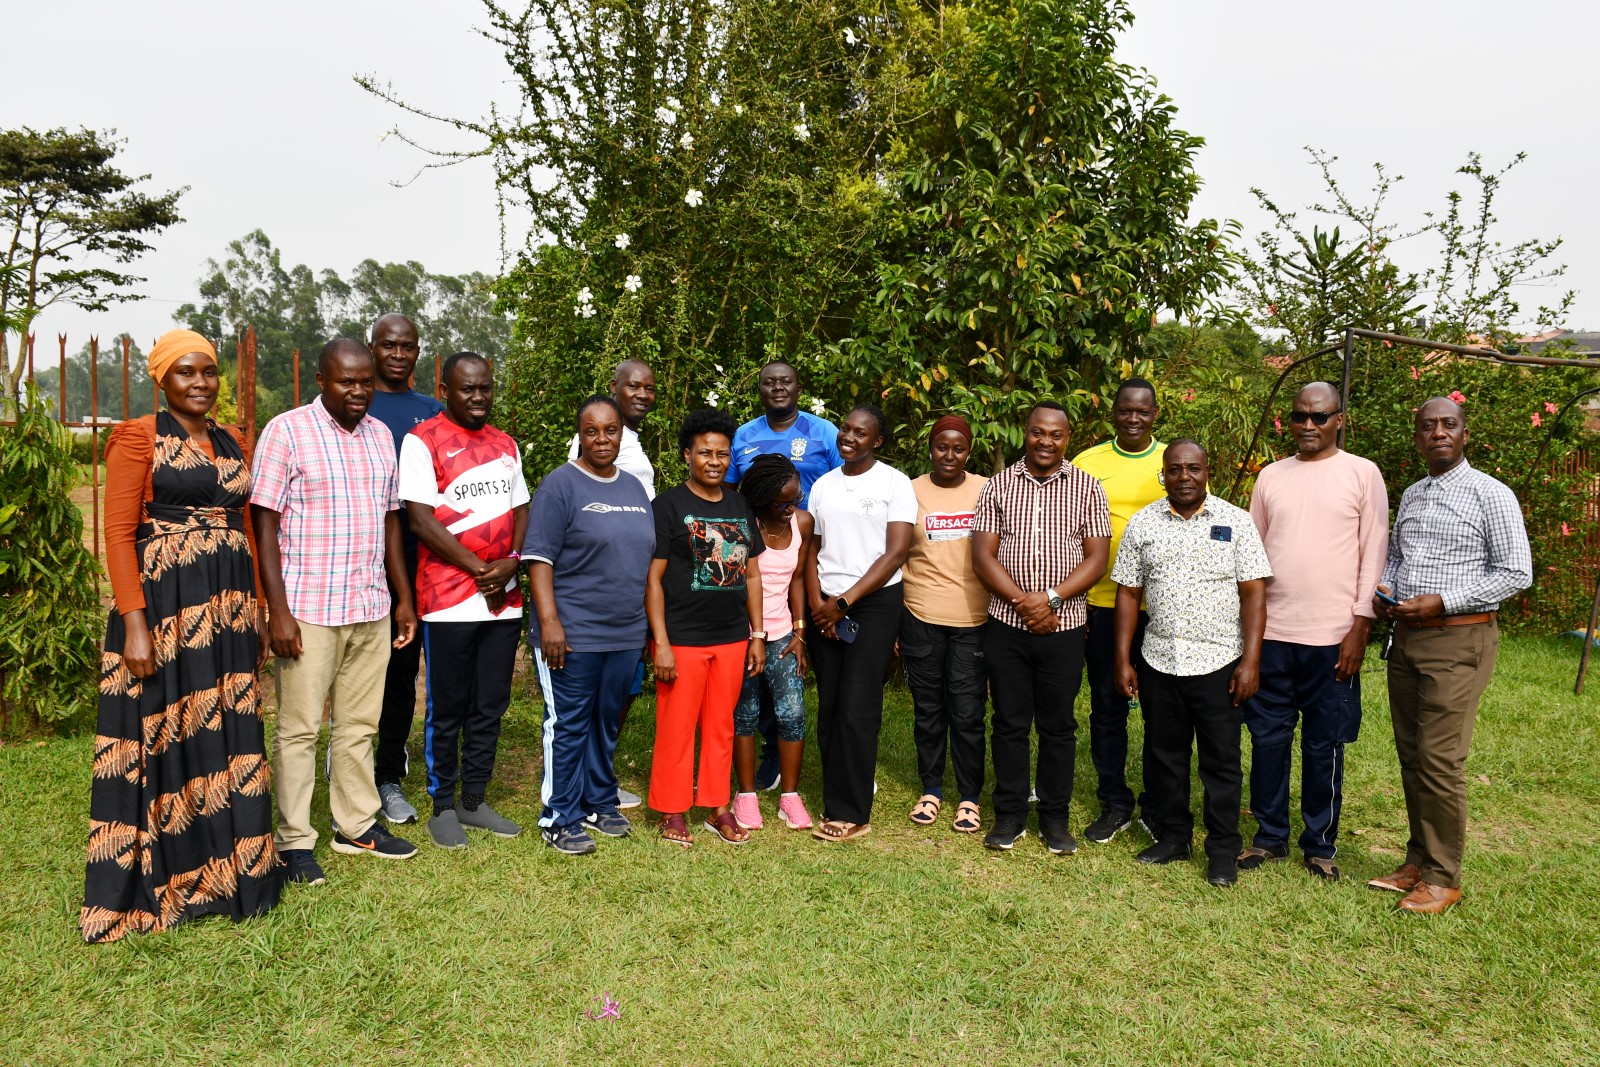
x=1385, y=597
x=846, y=629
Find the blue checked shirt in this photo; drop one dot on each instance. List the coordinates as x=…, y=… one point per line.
x=1459, y=535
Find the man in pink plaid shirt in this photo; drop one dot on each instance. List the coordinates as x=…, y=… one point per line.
x=325, y=507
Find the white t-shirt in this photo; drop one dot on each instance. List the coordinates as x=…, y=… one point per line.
x=853, y=517
x=630, y=460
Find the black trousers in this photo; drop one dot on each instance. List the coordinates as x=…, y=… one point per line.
x=1184, y=714
x=389, y=763
x=1108, y=708
x=850, y=703
x=946, y=671
x=1034, y=679
x=469, y=689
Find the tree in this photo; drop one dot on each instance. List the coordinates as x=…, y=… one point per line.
x=299, y=309
x=71, y=221
x=1041, y=227
x=108, y=377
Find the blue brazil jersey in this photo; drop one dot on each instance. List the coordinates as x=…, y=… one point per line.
x=812, y=445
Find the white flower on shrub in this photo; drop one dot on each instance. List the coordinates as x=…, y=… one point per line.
x=633, y=283
x=718, y=368
x=738, y=109
x=686, y=142
x=802, y=131
x=585, y=296
x=622, y=240
x=849, y=38
x=713, y=397
x=818, y=408
x=672, y=102
x=666, y=116
x=694, y=198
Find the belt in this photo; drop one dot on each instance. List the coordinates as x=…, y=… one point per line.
x=1453, y=620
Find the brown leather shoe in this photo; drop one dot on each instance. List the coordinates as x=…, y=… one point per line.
x=1429, y=899
x=1403, y=880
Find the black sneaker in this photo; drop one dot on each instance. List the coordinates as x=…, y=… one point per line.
x=302, y=867
x=1172, y=850
x=375, y=842
x=767, y=772
x=1006, y=833
x=1222, y=870
x=1057, y=838
x=1111, y=822
x=1255, y=856
x=569, y=840
x=610, y=823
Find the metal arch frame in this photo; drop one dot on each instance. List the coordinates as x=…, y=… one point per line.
x=1346, y=352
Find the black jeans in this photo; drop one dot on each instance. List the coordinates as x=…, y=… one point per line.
x=1183, y=714
x=389, y=763
x=947, y=674
x=1034, y=679
x=1108, y=709
x=850, y=704
x=469, y=689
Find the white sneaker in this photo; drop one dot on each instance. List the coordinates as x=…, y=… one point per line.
x=626, y=799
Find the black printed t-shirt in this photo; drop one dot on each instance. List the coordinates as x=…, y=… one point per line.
x=707, y=547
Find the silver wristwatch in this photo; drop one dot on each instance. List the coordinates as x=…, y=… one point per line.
x=1053, y=599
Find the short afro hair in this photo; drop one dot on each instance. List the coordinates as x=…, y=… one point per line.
x=704, y=421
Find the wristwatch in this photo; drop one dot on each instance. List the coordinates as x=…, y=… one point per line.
x=1053, y=599
x=843, y=604
x=758, y=635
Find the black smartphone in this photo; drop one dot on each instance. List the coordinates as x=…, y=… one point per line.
x=847, y=629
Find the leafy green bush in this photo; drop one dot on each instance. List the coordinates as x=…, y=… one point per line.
x=50, y=615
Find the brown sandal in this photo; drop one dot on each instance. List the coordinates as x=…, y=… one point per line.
x=835, y=830
x=727, y=829
x=968, y=818
x=675, y=828
x=925, y=812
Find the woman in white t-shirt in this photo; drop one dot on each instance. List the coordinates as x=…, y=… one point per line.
x=864, y=512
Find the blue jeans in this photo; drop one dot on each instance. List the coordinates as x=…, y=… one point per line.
x=1297, y=685
x=582, y=717
x=778, y=690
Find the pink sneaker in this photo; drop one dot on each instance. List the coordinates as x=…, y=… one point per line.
x=746, y=811
x=792, y=810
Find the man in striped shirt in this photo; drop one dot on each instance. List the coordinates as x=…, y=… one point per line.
x=1458, y=550
x=1041, y=536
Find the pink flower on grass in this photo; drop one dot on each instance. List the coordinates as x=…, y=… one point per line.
x=1188, y=397
x=1551, y=408
x=1277, y=424
x=1458, y=396
x=1565, y=531
x=1537, y=421
x=1416, y=373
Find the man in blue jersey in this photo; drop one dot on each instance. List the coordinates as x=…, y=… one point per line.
x=812, y=445
x=395, y=349
x=810, y=441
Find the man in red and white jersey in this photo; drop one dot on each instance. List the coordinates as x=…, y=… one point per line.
x=461, y=480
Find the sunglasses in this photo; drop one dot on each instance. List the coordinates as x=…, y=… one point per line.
x=1318, y=418
x=786, y=505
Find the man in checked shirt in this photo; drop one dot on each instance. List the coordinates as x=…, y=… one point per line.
x=1458, y=550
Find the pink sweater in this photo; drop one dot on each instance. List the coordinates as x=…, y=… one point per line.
x=1325, y=524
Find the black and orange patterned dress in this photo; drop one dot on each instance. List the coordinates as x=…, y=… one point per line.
x=181, y=806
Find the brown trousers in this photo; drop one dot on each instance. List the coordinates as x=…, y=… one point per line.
x=1436, y=678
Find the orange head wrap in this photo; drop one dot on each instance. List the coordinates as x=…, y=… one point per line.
x=173, y=346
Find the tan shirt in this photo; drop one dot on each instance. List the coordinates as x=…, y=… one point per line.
x=940, y=584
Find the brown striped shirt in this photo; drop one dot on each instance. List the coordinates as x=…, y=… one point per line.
x=1042, y=525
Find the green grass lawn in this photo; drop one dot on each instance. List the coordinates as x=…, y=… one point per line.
x=914, y=946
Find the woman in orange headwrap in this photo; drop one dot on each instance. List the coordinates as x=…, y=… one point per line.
x=180, y=813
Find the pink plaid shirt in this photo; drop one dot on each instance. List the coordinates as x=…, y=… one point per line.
x=332, y=489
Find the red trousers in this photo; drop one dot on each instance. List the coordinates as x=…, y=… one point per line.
x=703, y=694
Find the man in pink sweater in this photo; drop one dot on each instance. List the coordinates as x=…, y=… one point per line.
x=1323, y=515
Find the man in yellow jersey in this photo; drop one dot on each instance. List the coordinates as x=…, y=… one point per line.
x=1129, y=469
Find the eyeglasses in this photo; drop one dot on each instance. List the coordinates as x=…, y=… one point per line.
x=1319, y=418
x=786, y=505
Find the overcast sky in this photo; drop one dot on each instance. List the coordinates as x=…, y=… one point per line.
x=253, y=108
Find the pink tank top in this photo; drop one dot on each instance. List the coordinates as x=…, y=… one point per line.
x=777, y=569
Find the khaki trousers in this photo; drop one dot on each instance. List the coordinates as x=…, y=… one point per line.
x=1436, y=678
x=350, y=662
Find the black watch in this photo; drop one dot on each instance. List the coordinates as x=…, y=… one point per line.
x=843, y=604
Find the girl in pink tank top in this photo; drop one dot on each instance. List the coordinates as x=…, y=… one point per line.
x=772, y=486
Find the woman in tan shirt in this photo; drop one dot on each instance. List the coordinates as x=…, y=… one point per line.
x=941, y=628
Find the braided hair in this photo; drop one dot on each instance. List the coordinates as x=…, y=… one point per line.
x=766, y=478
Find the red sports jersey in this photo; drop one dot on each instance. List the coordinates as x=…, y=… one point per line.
x=473, y=481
